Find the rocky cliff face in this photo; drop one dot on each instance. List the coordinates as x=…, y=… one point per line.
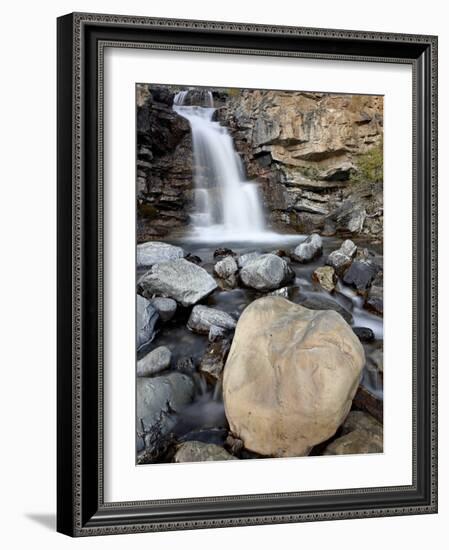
x=164, y=164
x=318, y=158
x=315, y=155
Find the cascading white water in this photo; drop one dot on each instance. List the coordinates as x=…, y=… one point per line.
x=227, y=207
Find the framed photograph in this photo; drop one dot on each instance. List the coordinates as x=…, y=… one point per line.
x=247, y=252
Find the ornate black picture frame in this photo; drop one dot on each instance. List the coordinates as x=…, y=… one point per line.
x=81, y=510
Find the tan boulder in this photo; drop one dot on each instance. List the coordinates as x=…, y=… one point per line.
x=290, y=376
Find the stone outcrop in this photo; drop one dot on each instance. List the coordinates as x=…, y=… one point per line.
x=290, y=377
x=306, y=149
x=317, y=157
x=164, y=164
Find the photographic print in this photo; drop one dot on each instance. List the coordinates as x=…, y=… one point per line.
x=259, y=251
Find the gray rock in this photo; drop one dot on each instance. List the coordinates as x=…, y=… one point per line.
x=158, y=399
x=166, y=308
x=155, y=252
x=213, y=361
x=225, y=268
x=215, y=333
x=284, y=292
x=359, y=420
x=361, y=434
x=196, y=451
x=375, y=298
x=309, y=249
x=322, y=302
x=360, y=275
x=202, y=318
x=246, y=259
x=154, y=362
x=356, y=442
x=364, y=334
x=146, y=318
x=341, y=259
x=267, y=272
x=181, y=280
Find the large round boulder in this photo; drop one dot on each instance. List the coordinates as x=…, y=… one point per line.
x=290, y=376
x=266, y=272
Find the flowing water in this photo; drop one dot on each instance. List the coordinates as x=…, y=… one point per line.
x=227, y=206
x=204, y=418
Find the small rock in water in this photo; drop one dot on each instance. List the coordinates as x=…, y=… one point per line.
x=155, y=252
x=309, y=249
x=222, y=252
x=166, y=308
x=186, y=365
x=196, y=451
x=341, y=259
x=234, y=444
x=215, y=333
x=360, y=275
x=202, y=318
x=194, y=259
x=226, y=267
x=267, y=272
x=375, y=300
x=356, y=442
x=284, y=292
x=181, y=280
x=154, y=362
x=325, y=277
x=213, y=361
x=146, y=319
x=157, y=399
x=320, y=301
x=364, y=334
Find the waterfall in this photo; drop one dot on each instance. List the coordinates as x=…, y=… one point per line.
x=227, y=207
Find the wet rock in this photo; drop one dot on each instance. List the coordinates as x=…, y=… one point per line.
x=360, y=275
x=374, y=301
x=290, y=377
x=186, y=365
x=356, y=442
x=158, y=399
x=166, y=308
x=194, y=259
x=284, y=292
x=155, y=252
x=349, y=217
x=202, y=318
x=364, y=334
x=146, y=319
x=234, y=444
x=222, y=252
x=309, y=249
x=341, y=259
x=215, y=333
x=246, y=259
x=366, y=401
x=267, y=272
x=376, y=358
x=226, y=270
x=325, y=276
x=181, y=280
x=155, y=361
x=359, y=420
x=196, y=451
x=321, y=302
x=214, y=359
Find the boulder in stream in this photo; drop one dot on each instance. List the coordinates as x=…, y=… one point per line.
x=153, y=362
x=266, y=272
x=290, y=376
x=146, y=319
x=203, y=318
x=155, y=252
x=309, y=249
x=181, y=280
x=341, y=259
x=197, y=451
